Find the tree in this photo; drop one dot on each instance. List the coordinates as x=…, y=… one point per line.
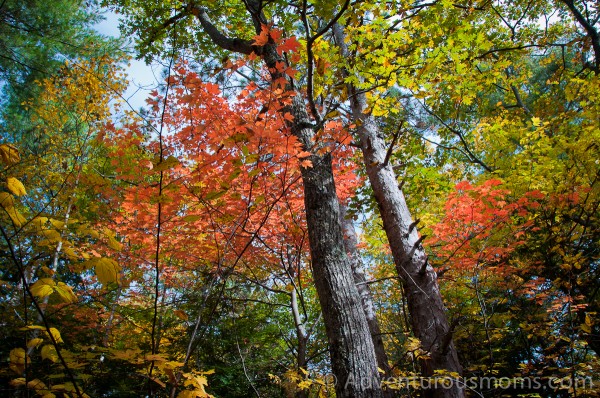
x=165, y=252
x=45, y=234
x=36, y=40
x=351, y=346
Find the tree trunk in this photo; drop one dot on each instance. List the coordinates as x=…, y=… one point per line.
x=426, y=308
x=351, y=348
x=302, y=336
x=358, y=271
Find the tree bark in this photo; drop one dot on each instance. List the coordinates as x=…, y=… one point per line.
x=353, y=360
x=427, y=312
x=302, y=336
x=358, y=271
x=351, y=348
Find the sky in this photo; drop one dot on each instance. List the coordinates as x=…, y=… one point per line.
x=142, y=78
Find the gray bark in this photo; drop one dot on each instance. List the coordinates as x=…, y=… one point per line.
x=358, y=271
x=426, y=308
x=351, y=348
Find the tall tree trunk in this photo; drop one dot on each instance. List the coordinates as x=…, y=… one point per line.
x=427, y=312
x=358, y=271
x=302, y=336
x=351, y=349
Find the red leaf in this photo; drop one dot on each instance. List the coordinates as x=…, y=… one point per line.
x=263, y=37
x=288, y=45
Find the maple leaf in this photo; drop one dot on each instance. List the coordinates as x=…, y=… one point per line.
x=212, y=89
x=290, y=44
x=306, y=163
x=262, y=38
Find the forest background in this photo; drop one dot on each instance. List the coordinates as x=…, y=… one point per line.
x=317, y=199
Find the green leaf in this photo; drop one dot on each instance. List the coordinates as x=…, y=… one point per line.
x=166, y=164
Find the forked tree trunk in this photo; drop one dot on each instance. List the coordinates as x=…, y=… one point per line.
x=351, y=348
x=427, y=312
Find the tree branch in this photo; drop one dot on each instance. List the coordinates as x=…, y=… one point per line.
x=393, y=143
x=589, y=28
x=231, y=44
x=310, y=57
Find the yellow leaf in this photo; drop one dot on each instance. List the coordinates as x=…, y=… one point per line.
x=181, y=315
x=17, y=360
x=9, y=154
x=57, y=224
x=65, y=292
x=6, y=200
x=34, y=342
x=155, y=357
x=166, y=164
x=70, y=253
x=158, y=381
x=33, y=327
x=43, y=287
x=52, y=235
x=15, y=186
x=16, y=217
x=413, y=344
x=36, y=384
x=49, y=352
x=126, y=355
x=18, y=382
x=586, y=328
x=56, y=334
x=107, y=270
x=114, y=244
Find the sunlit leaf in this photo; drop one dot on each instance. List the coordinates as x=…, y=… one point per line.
x=43, y=287
x=56, y=335
x=15, y=186
x=107, y=270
